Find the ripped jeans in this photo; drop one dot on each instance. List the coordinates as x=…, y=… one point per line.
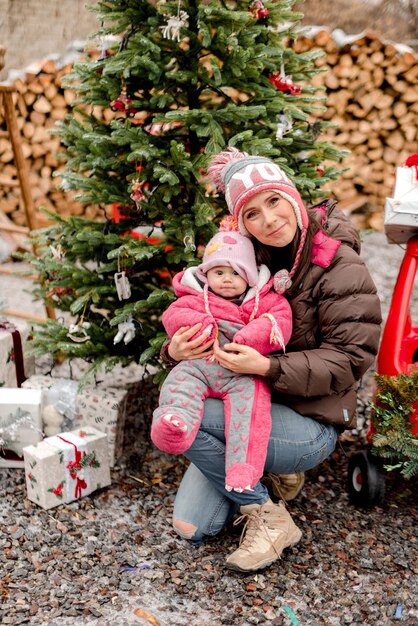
x=296, y=444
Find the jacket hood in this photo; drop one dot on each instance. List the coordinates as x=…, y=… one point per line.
x=188, y=283
x=336, y=229
x=337, y=225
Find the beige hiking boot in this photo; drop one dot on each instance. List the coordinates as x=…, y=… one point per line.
x=268, y=530
x=286, y=486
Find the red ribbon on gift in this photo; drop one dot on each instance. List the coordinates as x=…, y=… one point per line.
x=74, y=467
x=18, y=350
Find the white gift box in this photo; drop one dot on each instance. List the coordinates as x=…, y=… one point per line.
x=20, y=423
x=101, y=407
x=66, y=467
x=401, y=211
x=406, y=185
x=401, y=220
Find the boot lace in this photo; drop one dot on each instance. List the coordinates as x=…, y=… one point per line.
x=278, y=485
x=253, y=521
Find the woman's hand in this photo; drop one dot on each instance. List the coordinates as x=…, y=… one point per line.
x=241, y=359
x=182, y=347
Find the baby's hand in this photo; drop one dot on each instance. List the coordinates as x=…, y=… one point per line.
x=208, y=330
x=240, y=338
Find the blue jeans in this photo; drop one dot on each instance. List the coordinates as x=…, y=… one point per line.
x=296, y=444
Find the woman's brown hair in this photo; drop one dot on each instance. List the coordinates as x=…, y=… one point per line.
x=283, y=258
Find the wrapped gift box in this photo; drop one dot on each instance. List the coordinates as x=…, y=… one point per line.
x=406, y=184
x=20, y=423
x=401, y=220
x=401, y=211
x=104, y=408
x=142, y=398
x=14, y=366
x=66, y=467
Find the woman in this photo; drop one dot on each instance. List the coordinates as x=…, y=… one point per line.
x=336, y=329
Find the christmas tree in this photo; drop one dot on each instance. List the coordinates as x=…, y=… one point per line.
x=184, y=79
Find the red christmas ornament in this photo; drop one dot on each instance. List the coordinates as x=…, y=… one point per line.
x=122, y=103
x=138, y=187
x=285, y=83
x=58, y=292
x=258, y=9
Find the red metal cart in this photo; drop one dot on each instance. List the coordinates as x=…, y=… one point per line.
x=398, y=351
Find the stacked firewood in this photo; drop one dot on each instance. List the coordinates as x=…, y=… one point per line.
x=40, y=102
x=372, y=98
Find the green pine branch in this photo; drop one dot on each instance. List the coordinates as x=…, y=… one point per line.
x=396, y=400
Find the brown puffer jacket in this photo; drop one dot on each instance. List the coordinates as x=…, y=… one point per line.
x=336, y=331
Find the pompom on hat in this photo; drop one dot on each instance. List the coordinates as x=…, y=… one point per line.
x=229, y=248
x=241, y=176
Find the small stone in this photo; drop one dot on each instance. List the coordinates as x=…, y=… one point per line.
x=21, y=571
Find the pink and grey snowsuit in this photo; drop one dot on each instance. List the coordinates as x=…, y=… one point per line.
x=262, y=321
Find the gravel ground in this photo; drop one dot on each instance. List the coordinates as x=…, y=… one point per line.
x=111, y=558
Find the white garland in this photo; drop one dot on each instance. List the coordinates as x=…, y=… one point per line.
x=10, y=425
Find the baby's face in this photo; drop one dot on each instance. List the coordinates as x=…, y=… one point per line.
x=226, y=282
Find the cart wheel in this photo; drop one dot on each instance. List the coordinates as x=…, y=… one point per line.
x=366, y=483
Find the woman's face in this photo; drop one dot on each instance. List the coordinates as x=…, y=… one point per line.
x=270, y=218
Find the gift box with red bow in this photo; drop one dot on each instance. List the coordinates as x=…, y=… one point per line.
x=14, y=366
x=66, y=467
x=401, y=211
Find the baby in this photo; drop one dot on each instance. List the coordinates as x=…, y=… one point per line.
x=234, y=301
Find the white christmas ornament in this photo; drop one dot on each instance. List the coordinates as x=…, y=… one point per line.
x=57, y=252
x=171, y=30
x=123, y=288
x=189, y=244
x=52, y=419
x=303, y=155
x=78, y=333
x=284, y=125
x=126, y=331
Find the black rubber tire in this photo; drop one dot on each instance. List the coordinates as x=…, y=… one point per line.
x=365, y=480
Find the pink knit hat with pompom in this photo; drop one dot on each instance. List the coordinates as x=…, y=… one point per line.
x=229, y=248
x=241, y=176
